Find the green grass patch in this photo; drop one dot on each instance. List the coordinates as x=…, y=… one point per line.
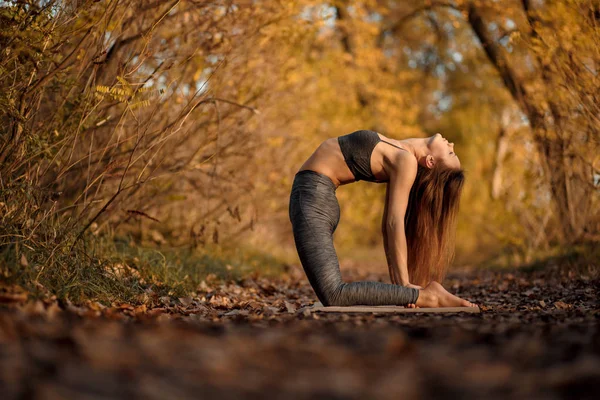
x=109, y=271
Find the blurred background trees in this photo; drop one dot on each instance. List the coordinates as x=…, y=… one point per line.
x=183, y=122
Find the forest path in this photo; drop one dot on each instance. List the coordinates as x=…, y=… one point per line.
x=537, y=337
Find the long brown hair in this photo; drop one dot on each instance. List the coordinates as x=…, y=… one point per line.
x=430, y=222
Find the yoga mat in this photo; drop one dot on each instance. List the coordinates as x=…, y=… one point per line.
x=318, y=306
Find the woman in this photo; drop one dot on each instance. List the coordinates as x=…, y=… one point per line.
x=424, y=181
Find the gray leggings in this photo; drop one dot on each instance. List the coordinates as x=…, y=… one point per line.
x=315, y=212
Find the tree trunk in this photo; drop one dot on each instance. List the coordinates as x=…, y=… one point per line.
x=549, y=142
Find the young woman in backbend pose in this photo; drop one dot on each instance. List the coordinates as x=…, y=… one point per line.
x=424, y=181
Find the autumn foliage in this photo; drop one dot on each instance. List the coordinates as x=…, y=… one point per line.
x=182, y=123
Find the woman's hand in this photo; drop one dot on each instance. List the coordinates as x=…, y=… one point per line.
x=410, y=285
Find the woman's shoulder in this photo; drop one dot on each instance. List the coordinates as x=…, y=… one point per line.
x=404, y=164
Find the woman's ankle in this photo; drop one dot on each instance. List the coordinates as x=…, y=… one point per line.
x=427, y=299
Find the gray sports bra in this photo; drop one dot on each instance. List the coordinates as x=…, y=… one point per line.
x=357, y=148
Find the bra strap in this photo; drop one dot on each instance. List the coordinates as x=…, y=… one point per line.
x=393, y=145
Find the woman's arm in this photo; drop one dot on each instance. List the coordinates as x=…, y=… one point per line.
x=394, y=272
x=394, y=236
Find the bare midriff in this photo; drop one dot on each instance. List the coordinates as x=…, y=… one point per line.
x=328, y=160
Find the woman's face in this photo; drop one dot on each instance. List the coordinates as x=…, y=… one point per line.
x=443, y=151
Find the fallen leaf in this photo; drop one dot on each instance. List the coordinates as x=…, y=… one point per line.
x=561, y=305
x=186, y=301
x=291, y=308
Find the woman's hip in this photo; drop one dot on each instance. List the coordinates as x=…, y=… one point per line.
x=313, y=199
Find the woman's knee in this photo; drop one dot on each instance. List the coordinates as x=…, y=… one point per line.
x=333, y=296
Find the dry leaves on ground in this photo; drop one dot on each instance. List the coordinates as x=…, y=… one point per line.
x=537, y=337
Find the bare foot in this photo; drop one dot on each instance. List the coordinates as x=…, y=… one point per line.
x=434, y=295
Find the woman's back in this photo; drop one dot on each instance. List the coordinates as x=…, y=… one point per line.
x=352, y=157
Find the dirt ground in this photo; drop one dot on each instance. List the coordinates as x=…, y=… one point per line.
x=536, y=338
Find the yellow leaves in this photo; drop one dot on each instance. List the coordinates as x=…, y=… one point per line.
x=114, y=92
x=276, y=141
x=514, y=35
x=125, y=84
x=253, y=63
x=143, y=103
x=347, y=57
x=294, y=77
x=103, y=89
x=372, y=29
x=262, y=42
x=218, y=13
x=126, y=93
x=217, y=37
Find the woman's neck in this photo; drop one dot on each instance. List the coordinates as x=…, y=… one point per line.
x=417, y=146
